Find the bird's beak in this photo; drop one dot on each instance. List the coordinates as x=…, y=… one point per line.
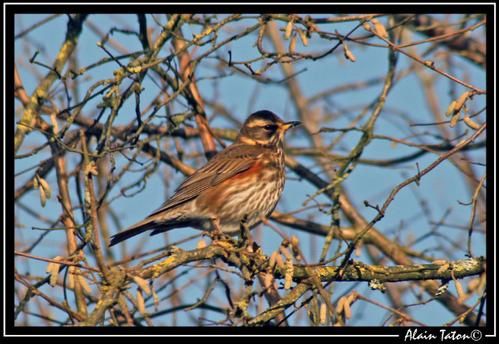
x=288, y=125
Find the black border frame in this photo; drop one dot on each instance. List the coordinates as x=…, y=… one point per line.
x=9, y=10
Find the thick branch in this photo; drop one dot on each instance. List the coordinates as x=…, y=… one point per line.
x=354, y=272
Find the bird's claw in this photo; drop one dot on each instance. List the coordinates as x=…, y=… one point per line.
x=245, y=239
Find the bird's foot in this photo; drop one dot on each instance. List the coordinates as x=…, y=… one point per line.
x=216, y=234
x=245, y=239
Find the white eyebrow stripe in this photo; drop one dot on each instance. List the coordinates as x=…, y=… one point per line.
x=258, y=123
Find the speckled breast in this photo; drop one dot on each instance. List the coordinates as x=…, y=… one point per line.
x=254, y=194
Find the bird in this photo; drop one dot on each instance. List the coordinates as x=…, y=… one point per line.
x=242, y=183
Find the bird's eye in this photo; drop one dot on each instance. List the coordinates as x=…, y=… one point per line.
x=270, y=127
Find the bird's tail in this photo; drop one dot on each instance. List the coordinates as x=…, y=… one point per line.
x=132, y=231
x=150, y=223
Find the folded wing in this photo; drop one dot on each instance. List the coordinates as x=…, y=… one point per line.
x=230, y=162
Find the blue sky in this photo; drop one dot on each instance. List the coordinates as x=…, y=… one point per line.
x=442, y=188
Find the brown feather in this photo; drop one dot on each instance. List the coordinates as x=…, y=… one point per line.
x=235, y=159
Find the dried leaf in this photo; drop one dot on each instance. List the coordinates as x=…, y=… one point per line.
x=53, y=270
x=35, y=182
x=462, y=99
x=348, y=54
x=454, y=120
x=140, y=302
x=367, y=26
x=340, y=305
x=379, y=28
x=451, y=109
x=323, y=313
x=289, y=29
x=43, y=196
x=346, y=310
x=280, y=262
x=471, y=123
x=45, y=186
x=312, y=309
x=439, y=262
x=143, y=284
x=303, y=37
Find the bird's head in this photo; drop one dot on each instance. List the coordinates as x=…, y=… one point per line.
x=264, y=128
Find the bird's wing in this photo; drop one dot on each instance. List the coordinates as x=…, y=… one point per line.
x=235, y=159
